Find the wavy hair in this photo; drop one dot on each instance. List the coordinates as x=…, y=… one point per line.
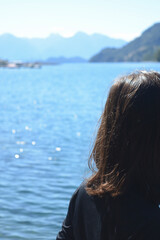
x=127, y=146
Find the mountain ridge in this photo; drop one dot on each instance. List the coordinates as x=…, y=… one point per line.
x=80, y=44
x=142, y=48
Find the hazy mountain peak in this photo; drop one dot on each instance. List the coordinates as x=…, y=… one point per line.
x=79, y=34
x=7, y=35
x=81, y=45
x=54, y=35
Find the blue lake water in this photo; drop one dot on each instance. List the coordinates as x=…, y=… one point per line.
x=48, y=119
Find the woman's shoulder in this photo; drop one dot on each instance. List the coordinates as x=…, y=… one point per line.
x=81, y=197
x=84, y=214
x=86, y=206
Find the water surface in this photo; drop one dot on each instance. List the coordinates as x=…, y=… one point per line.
x=48, y=118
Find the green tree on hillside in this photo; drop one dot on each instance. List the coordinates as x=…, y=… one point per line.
x=157, y=55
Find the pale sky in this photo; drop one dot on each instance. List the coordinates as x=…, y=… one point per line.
x=124, y=19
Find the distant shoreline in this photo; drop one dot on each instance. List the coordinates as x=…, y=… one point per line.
x=14, y=64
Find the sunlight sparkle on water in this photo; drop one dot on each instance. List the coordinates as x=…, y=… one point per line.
x=21, y=149
x=13, y=131
x=50, y=158
x=16, y=155
x=78, y=134
x=58, y=149
x=33, y=143
x=28, y=129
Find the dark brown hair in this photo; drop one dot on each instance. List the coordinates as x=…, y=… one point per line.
x=127, y=147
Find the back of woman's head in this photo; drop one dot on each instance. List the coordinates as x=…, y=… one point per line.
x=127, y=146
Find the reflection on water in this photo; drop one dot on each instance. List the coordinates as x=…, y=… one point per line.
x=47, y=121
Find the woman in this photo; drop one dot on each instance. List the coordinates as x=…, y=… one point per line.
x=120, y=200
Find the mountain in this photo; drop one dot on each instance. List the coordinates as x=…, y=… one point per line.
x=13, y=48
x=81, y=44
x=143, y=48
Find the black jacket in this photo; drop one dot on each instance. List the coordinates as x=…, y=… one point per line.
x=128, y=217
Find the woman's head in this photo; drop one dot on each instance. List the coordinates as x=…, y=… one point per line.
x=127, y=146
